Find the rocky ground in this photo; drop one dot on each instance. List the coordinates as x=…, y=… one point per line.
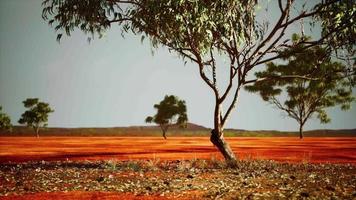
x=195, y=179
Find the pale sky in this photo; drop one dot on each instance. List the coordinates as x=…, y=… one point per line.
x=113, y=81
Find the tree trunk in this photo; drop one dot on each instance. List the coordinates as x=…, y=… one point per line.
x=164, y=134
x=301, y=131
x=217, y=138
x=164, y=130
x=37, y=130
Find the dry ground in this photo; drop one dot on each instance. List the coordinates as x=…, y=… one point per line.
x=154, y=168
x=289, y=149
x=195, y=179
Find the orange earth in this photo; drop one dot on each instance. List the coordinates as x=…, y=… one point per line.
x=285, y=149
x=80, y=195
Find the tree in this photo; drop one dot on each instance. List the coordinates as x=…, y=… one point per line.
x=37, y=114
x=328, y=84
x=170, y=111
x=5, y=121
x=334, y=17
x=200, y=31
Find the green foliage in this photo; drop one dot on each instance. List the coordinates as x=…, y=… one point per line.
x=176, y=24
x=199, y=31
x=90, y=16
x=37, y=114
x=170, y=111
x=195, y=28
x=5, y=121
x=337, y=22
x=197, y=25
x=311, y=81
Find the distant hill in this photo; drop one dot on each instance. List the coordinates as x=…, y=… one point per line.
x=190, y=126
x=274, y=133
x=191, y=130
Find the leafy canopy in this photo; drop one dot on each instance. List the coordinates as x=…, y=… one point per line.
x=195, y=25
x=5, y=121
x=37, y=114
x=338, y=24
x=202, y=30
x=312, y=83
x=170, y=111
x=179, y=25
x=198, y=30
x=202, y=25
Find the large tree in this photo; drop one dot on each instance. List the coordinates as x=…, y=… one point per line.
x=199, y=31
x=37, y=114
x=170, y=111
x=5, y=121
x=325, y=84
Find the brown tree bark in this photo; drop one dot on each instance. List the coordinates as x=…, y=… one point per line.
x=301, y=131
x=37, y=130
x=217, y=138
x=164, y=129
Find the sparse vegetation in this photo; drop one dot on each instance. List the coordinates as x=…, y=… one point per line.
x=37, y=114
x=202, y=31
x=322, y=83
x=170, y=111
x=5, y=121
x=199, y=179
x=174, y=131
x=111, y=164
x=227, y=41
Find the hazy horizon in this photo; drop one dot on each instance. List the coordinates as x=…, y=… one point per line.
x=155, y=125
x=114, y=81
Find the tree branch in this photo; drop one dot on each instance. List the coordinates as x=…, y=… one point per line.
x=290, y=112
x=118, y=20
x=126, y=1
x=278, y=25
x=232, y=106
x=232, y=75
x=213, y=66
x=200, y=62
x=280, y=77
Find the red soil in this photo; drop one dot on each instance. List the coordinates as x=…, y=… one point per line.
x=286, y=149
x=79, y=195
x=289, y=149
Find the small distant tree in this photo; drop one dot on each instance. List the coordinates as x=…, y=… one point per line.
x=327, y=84
x=37, y=114
x=5, y=121
x=170, y=111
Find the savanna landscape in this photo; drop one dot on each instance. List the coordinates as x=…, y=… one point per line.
x=135, y=143
x=186, y=167
x=270, y=85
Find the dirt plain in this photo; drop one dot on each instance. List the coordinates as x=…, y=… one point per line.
x=285, y=149
x=176, y=168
